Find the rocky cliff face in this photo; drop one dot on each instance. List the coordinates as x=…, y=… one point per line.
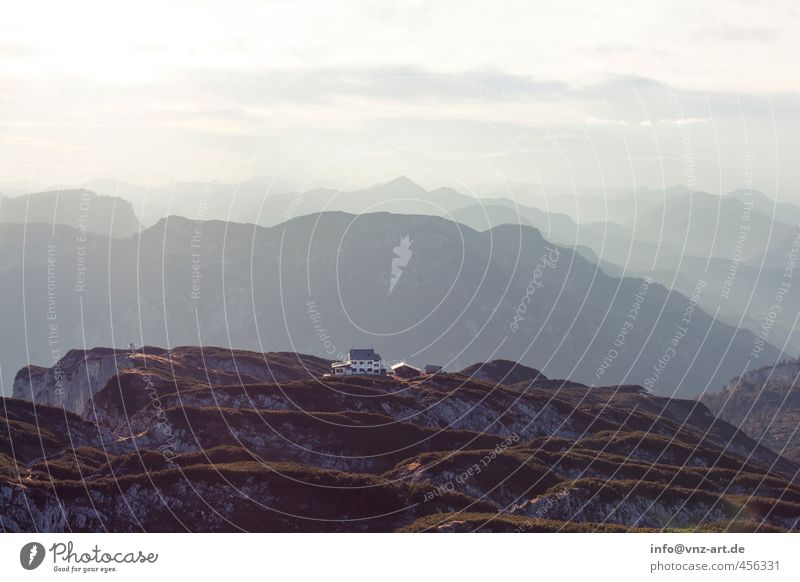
x=765, y=404
x=72, y=381
x=204, y=439
x=80, y=374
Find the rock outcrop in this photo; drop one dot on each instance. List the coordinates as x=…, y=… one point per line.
x=765, y=404
x=80, y=374
x=503, y=372
x=72, y=381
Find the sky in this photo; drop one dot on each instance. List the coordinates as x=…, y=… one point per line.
x=560, y=95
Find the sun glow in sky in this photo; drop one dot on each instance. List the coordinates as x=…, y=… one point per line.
x=566, y=93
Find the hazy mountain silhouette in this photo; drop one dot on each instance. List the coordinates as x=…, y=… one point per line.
x=401, y=196
x=704, y=225
x=732, y=242
x=320, y=284
x=196, y=200
x=676, y=236
x=81, y=209
x=784, y=212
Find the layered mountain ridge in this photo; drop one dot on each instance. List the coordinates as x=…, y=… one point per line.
x=79, y=208
x=321, y=283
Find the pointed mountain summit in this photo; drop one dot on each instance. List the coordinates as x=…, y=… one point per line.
x=400, y=186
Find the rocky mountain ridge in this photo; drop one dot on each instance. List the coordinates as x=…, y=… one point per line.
x=208, y=439
x=765, y=403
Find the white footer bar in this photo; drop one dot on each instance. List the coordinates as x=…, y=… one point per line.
x=401, y=557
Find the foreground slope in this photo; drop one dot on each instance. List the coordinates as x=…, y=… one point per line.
x=168, y=443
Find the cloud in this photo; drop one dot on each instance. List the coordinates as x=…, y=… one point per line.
x=194, y=87
x=683, y=121
x=701, y=47
x=604, y=121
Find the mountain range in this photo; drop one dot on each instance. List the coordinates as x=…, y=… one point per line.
x=587, y=337
x=322, y=283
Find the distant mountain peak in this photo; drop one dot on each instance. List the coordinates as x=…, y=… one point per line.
x=402, y=179
x=402, y=184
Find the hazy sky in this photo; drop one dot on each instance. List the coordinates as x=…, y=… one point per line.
x=349, y=93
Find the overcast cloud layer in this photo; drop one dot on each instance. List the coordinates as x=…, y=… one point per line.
x=450, y=93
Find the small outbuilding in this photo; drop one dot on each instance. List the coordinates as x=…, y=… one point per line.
x=404, y=370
